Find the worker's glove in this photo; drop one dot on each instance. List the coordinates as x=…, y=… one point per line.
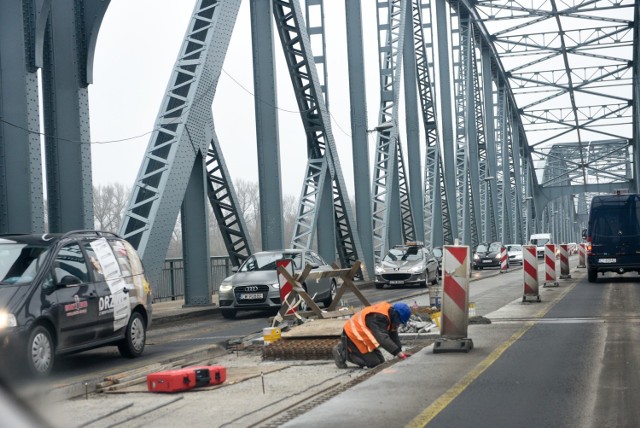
x=403, y=355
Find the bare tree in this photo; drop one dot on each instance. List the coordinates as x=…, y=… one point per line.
x=109, y=204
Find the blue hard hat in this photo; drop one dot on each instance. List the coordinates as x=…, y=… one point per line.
x=403, y=311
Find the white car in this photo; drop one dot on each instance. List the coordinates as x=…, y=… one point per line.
x=514, y=252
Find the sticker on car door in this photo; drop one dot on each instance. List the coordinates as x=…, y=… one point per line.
x=113, y=276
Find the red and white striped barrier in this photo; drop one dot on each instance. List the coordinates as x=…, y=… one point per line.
x=503, y=259
x=582, y=255
x=455, y=300
x=550, y=266
x=285, y=286
x=564, y=262
x=530, y=269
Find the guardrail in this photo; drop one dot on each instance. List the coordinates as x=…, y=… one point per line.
x=171, y=285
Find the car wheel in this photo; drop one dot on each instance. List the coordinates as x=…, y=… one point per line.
x=135, y=337
x=333, y=291
x=40, y=351
x=228, y=313
x=592, y=275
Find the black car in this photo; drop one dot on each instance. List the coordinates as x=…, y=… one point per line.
x=488, y=255
x=613, y=236
x=63, y=293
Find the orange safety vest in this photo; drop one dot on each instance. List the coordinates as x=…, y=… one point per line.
x=357, y=329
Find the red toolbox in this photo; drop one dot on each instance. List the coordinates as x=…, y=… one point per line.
x=186, y=378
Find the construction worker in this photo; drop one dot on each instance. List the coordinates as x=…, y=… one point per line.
x=373, y=327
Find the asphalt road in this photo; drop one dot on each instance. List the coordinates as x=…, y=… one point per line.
x=577, y=367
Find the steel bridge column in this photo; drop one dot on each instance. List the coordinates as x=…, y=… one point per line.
x=636, y=97
x=21, y=189
x=491, y=222
x=357, y=96
x=507, y=203
x=390, y=23
x=195, y=243
x=67, y=71
x=268, y=144
x=446, y=110
x=413, y=127
x=472, y=229
x=517, y=166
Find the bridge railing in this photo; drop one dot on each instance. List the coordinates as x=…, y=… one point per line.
x=171, y=286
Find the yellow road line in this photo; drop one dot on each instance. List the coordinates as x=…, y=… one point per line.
x=445, y=399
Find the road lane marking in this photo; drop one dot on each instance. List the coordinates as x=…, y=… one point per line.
x=428, y=414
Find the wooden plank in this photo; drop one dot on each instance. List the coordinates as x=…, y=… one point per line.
x=316, y=328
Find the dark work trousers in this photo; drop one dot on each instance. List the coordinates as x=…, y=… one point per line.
x=370, y=359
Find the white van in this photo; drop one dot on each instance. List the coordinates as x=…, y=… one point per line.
x=540, y=240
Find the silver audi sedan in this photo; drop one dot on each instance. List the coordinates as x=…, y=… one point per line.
x=255, y=284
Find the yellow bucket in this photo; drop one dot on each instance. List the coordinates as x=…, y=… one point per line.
x=435, y=317
x=270, y=334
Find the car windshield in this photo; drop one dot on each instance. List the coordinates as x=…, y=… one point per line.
x=495, y=247
x=437, y=252
x=19, y=263
x=410, y=254
x=267, y=261
x=514, y=248
x=540, y=242
x=481, y=248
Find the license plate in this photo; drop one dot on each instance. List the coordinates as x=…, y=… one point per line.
x=251, y=296
x=606, y=260
x=487, y=261
x=396, y=282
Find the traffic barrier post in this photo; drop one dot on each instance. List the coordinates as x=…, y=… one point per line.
x=564, y=262
x=455, y=301
x=286, y=287
x=582, y=255
x=550, y=266
x=503, y=259
x=530, y=269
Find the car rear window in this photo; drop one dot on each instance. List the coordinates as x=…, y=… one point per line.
x=614, y=220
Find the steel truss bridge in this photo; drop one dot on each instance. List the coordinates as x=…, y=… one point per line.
x=515, y=113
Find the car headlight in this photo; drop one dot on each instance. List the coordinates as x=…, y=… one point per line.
x=498, y=256
x=7, y=320
x=379, y=270
x=476, y=257
x=225, y=288
x=276, y=285
x=417, y=269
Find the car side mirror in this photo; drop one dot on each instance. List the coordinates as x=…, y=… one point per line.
x=69, y=280
x=234, y=269
x=584, y=233
x=313, y=265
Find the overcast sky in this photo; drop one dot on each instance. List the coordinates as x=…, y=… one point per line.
x=136, y=52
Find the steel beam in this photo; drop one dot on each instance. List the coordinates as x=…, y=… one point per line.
x=360, y=149
x=412, y=122
x=22, y=26
x=446, y=109
x=391, y=18
x=323, y=166
x=268, y=144
x=183, y=131
x=70, y=40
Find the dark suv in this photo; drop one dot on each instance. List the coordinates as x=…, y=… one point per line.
x=63, y=293
x=613, y=236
